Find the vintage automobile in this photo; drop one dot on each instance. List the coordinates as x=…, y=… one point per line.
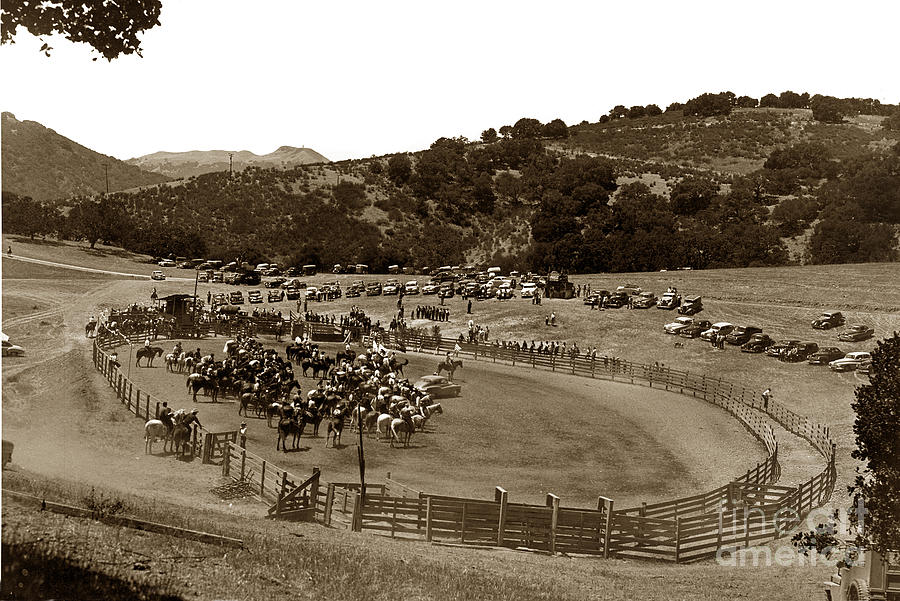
x=629, y=289
x=274, y=296
x=828, y=320
x=292, y=293
x=311, y=293
x=438, y=387
x=275, y=282
x=690, y=305
x=780, y=347
x=617, y=300
x=758, y=343
x=669, y=300
x=431, y=287
x=373, y=289
x=505, y=292
x=856, y=333
x=873, y=576
x=742, y=334
x=528, y=289
x=219, y=298
x=826, y=355
x=720, y=327
x=233, y=277
x=446, y=290
x=865, y=368
x=391, y=287
x=166, y=263
x=850, y=361
x=353, y=292
x=799, y=352
x=254, y=297
x=12, y=350
x=236, y=297
x=157, y=275
x=202, y=277
x=696, y=329
x=411, y=287
x=679, y=324
x=644, y=301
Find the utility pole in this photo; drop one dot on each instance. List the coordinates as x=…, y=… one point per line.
x=230, y=163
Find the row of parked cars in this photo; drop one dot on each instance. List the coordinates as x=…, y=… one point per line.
x=752, y=339
x=640, y=299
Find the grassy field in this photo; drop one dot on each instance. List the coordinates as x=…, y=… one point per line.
x=45, y=307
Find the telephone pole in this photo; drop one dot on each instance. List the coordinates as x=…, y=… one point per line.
x=230, y=163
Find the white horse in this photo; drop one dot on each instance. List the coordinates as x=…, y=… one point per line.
x=171, y=362
x=357, y=416
x=154, y=430
x=383, y=425
x=426, y=412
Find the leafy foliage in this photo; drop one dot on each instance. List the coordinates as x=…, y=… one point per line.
x=111, y=28
x=877, y=430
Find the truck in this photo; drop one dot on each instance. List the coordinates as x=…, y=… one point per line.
x=874, y=576
x=559, y=286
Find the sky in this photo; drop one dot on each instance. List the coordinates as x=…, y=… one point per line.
x=356, y=79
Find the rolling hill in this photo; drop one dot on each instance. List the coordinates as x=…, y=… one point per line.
x=42, y=164
x=182, y=165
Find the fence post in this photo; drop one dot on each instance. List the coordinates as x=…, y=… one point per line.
x=553, y=503
x=329, y=500
x=356, y=518
x=607, y=506
x=501, y=497
x=428, y=517
x=314, y=489
x=147, y=407
x=226, y=464
x=677, y=540
x=243, y=464
x=462, y=524
x=262, y=476
x=193, y=437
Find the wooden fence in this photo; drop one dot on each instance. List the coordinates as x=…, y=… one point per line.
x=204, y=444
x=748, y=510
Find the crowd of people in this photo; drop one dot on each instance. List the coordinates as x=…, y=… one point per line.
x=432, y=313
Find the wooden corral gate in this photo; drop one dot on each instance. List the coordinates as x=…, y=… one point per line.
x=215, y=445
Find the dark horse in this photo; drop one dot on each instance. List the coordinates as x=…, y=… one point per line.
x=149, y=352
x=90, y=328
x=449, y=366
x=335, y=427
x=288, y=426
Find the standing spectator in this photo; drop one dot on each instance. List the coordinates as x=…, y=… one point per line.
x=469, y=307
x=766, y=395
x=243, y=434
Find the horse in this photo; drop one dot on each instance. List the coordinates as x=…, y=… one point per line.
x=209, y=385
x=90, y=328
x=272, y=410
x=420, y=419
x=181, y=436
x=335, y=428
x=149, y=352
x=171, y=362
x=397, y=366
x=287, y=426
x=383, y=425
x=154, y=430
x=450, y=366
x=249, y=399
x=401, y=430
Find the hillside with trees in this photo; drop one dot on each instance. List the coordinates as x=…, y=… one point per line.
x=42, y=164
x=718, y=181
x=181, y=165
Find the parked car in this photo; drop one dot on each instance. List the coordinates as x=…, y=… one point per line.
x=826, y=355
x=668, y=300
x=758, y=343
x=292, y=293
x=645, y=300
x=850, y=361
x=391, y=287
x=856, y=333
x=742, y=334
x=254, y=297
x=438, y=387
x=780, y=347
x=411, y=287
x=236, y=297
x=166, y=263
x=446, y=290
x=373, y=289
x=431, y=288
x=353, y=292
x=218, y=277
x=311, y=293
x=695, y=329
x=720, y=327
x=274, y=296
x=865, y=368
x=617, y=300
x=219, y=298
x=798, y=353
x=12, y=350
x=828, y=320
x=203, y=277
x=528, y=289
x=691, y=305
x=630, y=289
x=232, y=277
x=275, y=282
x=679, y=324
x=250, y=278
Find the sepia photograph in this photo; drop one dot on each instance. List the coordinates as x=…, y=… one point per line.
x=475, y=301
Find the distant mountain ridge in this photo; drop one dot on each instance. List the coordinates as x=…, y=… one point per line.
x=42, y=164
x=180, y=165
